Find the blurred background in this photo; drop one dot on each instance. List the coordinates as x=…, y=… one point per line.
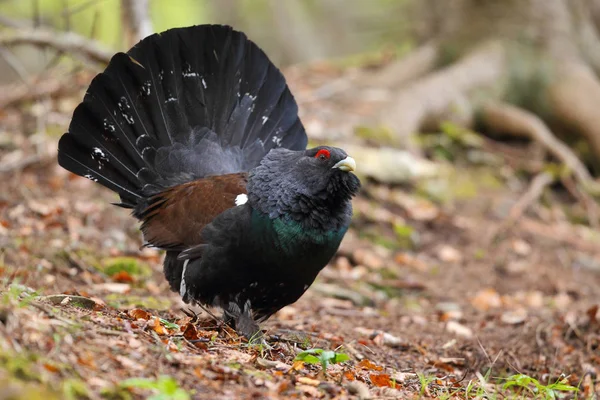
x=475, y=244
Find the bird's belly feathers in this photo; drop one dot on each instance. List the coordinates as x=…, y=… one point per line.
x=271, y=263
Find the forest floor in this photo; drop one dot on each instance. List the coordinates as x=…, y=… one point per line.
x=430, y=296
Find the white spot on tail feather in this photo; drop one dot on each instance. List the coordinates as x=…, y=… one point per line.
x=182, y=288
x=241, y=199
x=97, y=151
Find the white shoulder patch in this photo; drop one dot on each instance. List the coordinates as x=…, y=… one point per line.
x=182, y=286
x=241, y=199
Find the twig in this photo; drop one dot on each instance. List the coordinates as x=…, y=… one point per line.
x=15, y=64
x=48, y=87
x=533, y=193
x=517, y=121
x=14, y=23
x=585, y=199
x=67, y=42
x=22, y=163
x=562, y=233
x=51, y=314
x=530, y=197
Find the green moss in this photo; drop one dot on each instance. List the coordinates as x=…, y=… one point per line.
x=130, y=265
x=14, y=390
x=405, y=235
x=378, y=134
x=479, y=254
x=459, y=184
x=461, y=135
x=118, y=300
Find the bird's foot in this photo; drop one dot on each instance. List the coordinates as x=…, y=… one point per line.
x=243, y=321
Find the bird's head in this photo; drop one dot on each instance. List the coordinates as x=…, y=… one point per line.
x=297, y=182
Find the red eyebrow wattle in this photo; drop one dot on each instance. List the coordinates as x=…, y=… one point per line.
x=323, y=152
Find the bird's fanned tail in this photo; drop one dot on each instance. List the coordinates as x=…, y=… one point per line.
x=180, y=105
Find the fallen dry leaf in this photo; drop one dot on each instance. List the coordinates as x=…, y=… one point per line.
x=308, y=381
x=311, y=391
x=138, y=313
x=298, y=365
x=122, y=277
x=380, y=380
x=366, y=364
x=459, y=329
x=190, y=332
x=51, y=367
x=157, y=327
x=486, y=299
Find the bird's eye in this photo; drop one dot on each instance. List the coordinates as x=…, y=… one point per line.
x=323, y=154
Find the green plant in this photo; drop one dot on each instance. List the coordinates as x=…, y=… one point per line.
x=320, y=356
x=522, y=382
x=18, y=295
x=424, y=381
x=165, y=388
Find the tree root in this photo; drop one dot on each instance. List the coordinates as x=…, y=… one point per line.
x=514, y=120
x=412, y=66
x=574, y=97
x=433, y=95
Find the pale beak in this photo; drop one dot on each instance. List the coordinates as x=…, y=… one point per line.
x=347, y=164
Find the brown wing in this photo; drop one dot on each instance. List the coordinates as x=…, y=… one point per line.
x=175, y=217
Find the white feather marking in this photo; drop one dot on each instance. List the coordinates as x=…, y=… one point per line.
x=241, y=199
x=182, y=288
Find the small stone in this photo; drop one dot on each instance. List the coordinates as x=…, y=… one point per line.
x=459, y=329
x=517, y=267
x=343, y=264
x=514, y=317
x=359, y=389
x=534, y=299
x=449, y=254
x=367, y=258
x=521, y=247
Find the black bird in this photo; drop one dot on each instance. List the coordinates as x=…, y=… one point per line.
x=198, y=133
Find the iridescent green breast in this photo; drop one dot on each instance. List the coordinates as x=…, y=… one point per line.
x=292, y=238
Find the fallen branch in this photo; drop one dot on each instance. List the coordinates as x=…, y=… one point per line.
x=517, y=121
x=67, y=42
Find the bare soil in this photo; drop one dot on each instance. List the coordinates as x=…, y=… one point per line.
x=423, y=297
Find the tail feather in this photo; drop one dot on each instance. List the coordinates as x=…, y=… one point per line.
x=180, y=105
